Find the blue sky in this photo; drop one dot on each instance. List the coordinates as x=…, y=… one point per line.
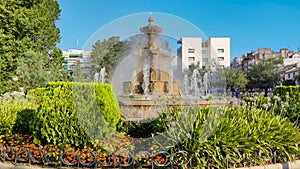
x=251, y=24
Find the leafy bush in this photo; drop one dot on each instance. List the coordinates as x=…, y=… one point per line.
x=75, y=113
x=23, y=120
x=290, y=90
x=15, y=115
x=231, y=133
x=285, y=102
x=37, y=93
x=147, y=127
x=139, y=129
x=289, y=82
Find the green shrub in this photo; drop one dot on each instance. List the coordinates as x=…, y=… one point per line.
x=141, y=129
x=75, y=113
x=37, y=93
x=289, y=82
x=285, y=102
x=252, y=131
x=15, y=115
x=290, y=90
x=23, y=120
x=232, y=133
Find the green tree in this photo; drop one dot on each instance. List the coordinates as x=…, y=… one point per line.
x=32, y=71
x=218, y=79
x=193, y=66
x=55, y=67
x=106, y=54
x=26, y=25
x=235, y=78
x=78, y=75
x=264, y=74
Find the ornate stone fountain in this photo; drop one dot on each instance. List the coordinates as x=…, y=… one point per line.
x=152, y=87
x=152, y=80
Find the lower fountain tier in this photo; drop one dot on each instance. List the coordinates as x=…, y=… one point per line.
x=155, y=88
x=140, y=108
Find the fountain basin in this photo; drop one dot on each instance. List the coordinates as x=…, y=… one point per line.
x=140, y=107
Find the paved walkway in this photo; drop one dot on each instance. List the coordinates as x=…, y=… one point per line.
x=289, y=165
x=19, y=166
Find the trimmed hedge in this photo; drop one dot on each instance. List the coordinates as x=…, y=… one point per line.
x=15, y=115
x=290, y=90
x=37, y=93
x=75, y=113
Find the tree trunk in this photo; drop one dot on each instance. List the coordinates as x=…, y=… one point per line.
x=266, y=92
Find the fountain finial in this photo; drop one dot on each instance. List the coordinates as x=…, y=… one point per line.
x=151, y=20
x=151, y=28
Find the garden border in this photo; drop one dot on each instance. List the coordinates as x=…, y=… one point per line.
x=20, y=157
x=286, y=165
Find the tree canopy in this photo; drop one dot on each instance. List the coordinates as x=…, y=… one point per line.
x=27, y=25
x=31, y=70
x=264, y=74
x=193, y=66
x=235, y=78
x=106, y=54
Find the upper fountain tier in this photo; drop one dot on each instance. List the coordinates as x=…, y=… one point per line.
x=151, y=31
x=153, y=75
x=151, y=28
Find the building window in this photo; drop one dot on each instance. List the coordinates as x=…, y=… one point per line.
x=220, y=50
x=73, y=55
x=191, y=58
x=204, y=60
x=221, y=58
x=191, y=50
x=289, y=76
x=203, y=51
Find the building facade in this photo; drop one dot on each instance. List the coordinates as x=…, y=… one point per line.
x=255, y=56
x=190, y=52
x=291, y=71
x=236, y=63
x=288, y=69
x=74, y=57
x=291, y=67
x=212, y=52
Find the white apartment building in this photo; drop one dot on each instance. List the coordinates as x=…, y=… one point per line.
x=291, y=71
x=74, y=57
x=214, y=51
x=291, y=67
x=295, y=58
x=189, y=52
